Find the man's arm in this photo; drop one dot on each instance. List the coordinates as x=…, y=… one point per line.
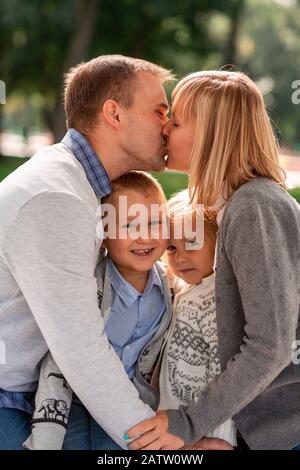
x=51, y=251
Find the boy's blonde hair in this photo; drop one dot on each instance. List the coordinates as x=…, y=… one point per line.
x=234, y=140
x=138, y=181
x=179, y=205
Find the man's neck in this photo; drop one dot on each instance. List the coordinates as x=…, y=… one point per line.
x=115, y=162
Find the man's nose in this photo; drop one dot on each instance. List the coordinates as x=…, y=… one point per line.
x=165, y=130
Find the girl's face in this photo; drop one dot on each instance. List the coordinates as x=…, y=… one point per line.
x=188, y=260
x=180, y=135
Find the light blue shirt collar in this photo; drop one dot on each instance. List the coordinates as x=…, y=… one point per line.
x=126, y=291
x=85, y=154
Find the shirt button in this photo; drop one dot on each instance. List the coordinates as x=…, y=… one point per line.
x=127, y=348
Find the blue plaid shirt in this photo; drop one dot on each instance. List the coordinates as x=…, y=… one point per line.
x=85, y=154
x=98, y=179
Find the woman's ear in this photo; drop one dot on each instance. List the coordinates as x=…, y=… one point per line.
x=111, y=113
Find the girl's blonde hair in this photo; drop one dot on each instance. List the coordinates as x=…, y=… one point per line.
x=234, y=139
x=178, y=206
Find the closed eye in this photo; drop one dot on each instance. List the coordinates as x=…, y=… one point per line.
x=162, y=116
x=129, y=225
x=155, y=222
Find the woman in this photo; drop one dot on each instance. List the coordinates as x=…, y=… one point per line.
x=220, y=133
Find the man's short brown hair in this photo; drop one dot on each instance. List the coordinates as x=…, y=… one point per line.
x=90, y=84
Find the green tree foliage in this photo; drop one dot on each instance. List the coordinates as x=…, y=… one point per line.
x=269, y=49
x=41, y=39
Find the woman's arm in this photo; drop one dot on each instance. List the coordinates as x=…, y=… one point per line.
x=263, y=249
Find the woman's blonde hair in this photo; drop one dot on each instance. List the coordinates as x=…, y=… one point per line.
x=234, y=139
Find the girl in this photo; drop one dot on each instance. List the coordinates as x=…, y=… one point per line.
x=220, y=133
x=190, y=359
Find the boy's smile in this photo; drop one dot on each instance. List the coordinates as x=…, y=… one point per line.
x=132, y=253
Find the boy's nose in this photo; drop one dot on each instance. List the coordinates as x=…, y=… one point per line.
x=142, y=241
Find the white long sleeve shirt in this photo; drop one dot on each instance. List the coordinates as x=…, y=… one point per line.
x=48, y=293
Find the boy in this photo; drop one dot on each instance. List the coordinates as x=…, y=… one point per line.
x=133, y=293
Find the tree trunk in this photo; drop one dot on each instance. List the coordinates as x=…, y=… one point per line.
x=230, y=56
x=86, y=17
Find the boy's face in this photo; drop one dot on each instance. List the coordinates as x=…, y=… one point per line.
x=135, y=253
x=193, y=264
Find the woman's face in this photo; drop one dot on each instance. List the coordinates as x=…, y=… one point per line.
x=180, y=135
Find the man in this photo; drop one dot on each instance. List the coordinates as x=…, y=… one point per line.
x=115, y=108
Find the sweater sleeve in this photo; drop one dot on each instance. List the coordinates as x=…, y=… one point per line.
x=51, y=251
x=53, y=401
x=262, y=248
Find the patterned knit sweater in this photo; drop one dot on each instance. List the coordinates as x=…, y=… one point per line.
x=190, y=359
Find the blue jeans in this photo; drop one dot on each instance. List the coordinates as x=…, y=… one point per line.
x=14, y=428
x=83, y=433
x=100, y=440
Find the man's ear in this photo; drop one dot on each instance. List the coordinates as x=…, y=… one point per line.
x=111, y=113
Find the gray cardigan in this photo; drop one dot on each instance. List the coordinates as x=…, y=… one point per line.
x=257, y=306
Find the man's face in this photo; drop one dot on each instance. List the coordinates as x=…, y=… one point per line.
x=142, y=137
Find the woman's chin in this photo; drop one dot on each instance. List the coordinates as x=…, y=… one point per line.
x=171, y=165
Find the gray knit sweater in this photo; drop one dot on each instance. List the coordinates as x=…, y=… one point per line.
x=257, y=306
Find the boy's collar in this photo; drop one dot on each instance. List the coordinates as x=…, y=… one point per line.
x=125, y=290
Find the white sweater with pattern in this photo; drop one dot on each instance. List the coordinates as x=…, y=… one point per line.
x=190, y=360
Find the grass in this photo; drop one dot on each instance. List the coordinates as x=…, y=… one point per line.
x=295, y=192
x=170, y=181
x=9, y=164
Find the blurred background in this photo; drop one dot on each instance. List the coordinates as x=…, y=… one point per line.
x=42, y=39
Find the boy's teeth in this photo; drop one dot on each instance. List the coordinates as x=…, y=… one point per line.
x=141, y=251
